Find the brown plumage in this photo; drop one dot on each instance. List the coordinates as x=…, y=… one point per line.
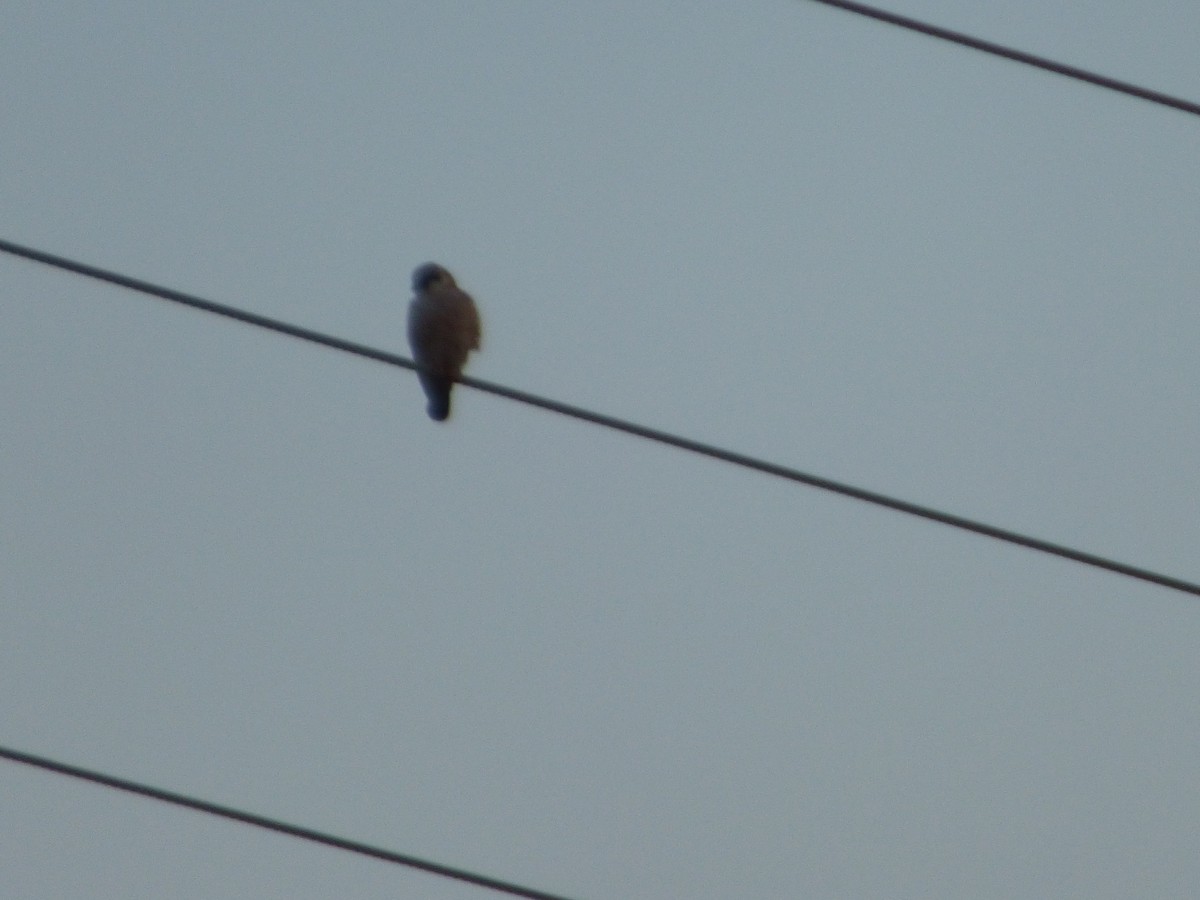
x=443, y=327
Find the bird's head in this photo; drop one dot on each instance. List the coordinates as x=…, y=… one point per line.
x=431, y=275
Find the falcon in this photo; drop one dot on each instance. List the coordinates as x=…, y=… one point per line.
x=443, y=327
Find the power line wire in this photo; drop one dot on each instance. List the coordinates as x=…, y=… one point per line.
x=1020, y=56
x=652, y=434
x=297, y=831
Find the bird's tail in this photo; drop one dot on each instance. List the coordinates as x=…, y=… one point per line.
x=439, y=407
x=438, y=392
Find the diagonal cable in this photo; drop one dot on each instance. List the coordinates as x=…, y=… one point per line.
x=257, y=821
x=652, y=434
x=1029, y=59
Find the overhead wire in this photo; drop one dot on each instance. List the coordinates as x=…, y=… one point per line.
x=269, y=824
x=652, y=434
x=1020, y=56
x=306, y=334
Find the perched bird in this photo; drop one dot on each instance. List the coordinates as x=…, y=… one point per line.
x=443, y=327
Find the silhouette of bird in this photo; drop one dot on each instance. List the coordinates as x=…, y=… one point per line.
x=443, y=327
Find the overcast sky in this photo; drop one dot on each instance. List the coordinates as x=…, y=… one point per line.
x=243, y=567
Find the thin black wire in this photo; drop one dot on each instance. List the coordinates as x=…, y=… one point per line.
x=306, y=834
x=1020, y=56
x=652, y=434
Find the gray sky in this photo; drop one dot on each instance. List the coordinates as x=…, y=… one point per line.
x=250, y=569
